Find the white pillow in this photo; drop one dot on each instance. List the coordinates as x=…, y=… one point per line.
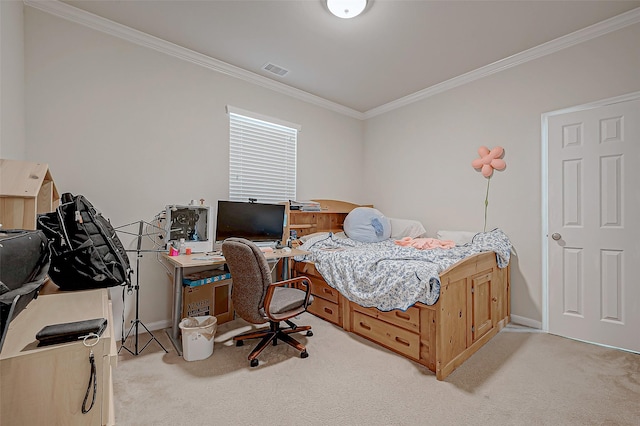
x=401, y=228
x=367, y=225
x=458, y=237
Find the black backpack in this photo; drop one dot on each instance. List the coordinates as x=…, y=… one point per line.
x=86, y=253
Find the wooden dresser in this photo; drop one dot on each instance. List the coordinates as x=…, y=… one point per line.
x=47, y=385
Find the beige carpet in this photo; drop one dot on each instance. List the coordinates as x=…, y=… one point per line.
x=518, y=378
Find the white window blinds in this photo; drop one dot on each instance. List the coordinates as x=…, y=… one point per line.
x=262, y=158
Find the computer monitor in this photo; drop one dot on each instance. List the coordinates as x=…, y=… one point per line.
x=257, y=222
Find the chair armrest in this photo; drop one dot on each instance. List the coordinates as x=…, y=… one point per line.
x=306, y=282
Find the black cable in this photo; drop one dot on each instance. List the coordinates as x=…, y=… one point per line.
x=92, y=377
x=122, y=331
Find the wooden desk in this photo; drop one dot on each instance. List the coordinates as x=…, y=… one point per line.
x=190, y=261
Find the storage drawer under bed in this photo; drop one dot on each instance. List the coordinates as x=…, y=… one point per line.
x=383, y=333
x=326, y=302
x=409, y=319
x=321, y=289
x=325, y=310
x=306, y=268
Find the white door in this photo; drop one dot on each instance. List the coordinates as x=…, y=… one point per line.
x=594, y=225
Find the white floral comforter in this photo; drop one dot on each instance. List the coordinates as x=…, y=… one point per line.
x=389, y=276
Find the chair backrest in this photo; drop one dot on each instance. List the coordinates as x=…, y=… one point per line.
x=251, y=276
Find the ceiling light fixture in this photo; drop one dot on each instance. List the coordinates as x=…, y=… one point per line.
x=346, y=8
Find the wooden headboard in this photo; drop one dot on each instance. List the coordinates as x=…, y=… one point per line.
x=329, y=219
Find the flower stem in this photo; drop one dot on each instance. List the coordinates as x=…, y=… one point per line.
x=486, y=204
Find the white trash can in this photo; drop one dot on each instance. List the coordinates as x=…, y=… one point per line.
x=197, y=337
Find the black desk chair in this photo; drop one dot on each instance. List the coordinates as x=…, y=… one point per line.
x=257, y=300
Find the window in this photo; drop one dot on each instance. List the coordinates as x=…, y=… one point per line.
x=262, y=158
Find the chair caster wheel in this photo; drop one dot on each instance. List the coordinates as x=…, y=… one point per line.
x=239, y=343
x=309, y=333
x=254, y=362
x=304, y=354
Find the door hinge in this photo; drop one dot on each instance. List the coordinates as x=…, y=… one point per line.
x=473, y=290
x=473, y=329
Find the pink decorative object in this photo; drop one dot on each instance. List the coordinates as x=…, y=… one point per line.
x=489, y=160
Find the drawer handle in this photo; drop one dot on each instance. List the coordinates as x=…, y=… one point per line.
x=495, y=299
x=402, y=341
x=403, y=315
x=328, y=291
x=365, y=326
x=329, y=311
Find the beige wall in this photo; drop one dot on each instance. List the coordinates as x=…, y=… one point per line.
x=133, y=130
x=418, y=158
x=12, y=134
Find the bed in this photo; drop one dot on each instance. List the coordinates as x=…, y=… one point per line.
x=472, y=306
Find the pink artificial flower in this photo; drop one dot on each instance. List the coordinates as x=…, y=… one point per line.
x=489, y=160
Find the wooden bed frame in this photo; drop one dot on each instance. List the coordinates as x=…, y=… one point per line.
x=474, y=303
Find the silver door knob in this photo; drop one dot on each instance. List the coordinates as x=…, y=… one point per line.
x=556, y=236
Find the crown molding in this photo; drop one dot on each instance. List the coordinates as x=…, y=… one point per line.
x=73, y=14
x=140, y=38
x=596, y=30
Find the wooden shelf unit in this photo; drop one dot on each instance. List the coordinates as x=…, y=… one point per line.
x=329, y=219
x=26, y=190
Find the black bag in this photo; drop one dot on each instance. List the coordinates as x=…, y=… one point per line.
x=86, y=253
x=24, y=263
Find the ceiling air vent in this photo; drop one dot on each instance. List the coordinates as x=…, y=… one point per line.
x=279, y=71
